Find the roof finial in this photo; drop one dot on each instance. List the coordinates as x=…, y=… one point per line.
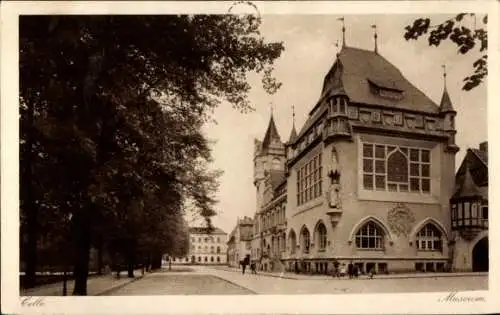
x=272, y=108
x=444, y=75
x=375, y=36
x=293, y=115
x=343, y=31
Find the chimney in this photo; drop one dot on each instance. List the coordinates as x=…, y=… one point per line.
x=483, y=146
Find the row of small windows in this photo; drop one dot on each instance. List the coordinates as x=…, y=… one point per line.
x=212, y=249
x=199, y=259
x=206, y=239
x=370, y=236
x=309, y=180
x=205, y=259
x=396, y=168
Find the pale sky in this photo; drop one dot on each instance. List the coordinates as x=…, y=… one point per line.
x=310, y=50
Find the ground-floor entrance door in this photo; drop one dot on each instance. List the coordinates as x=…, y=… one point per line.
x=480, y=255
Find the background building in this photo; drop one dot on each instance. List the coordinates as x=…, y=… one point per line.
x=367, y=179
x=469, y=212
x=206, y=247
x=240, y=241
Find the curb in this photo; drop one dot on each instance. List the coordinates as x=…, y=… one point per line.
x=109, y=290
x=430, y=275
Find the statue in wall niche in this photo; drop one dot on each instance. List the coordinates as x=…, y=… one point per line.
x=334, y=190
x=400, y=220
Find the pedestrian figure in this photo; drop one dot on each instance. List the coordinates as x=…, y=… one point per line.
x=253, y=268
x=356, y=271
x=350, y=270
x=372, y=272
x=243, y=267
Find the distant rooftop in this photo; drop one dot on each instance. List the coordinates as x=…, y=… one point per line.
x=205, y=230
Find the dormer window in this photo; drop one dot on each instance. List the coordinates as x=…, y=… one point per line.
x=385, y=91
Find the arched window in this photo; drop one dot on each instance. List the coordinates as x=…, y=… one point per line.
x=305, y=240
x=370, y=236
x=218, y=259
x=199, y=259
x=292, y=239
x=218, y=249
x=206, y=258
x=206, y=248
x=429, y=238
x=218, y=239
x=212, y=259
x=199, y=239
x=321, y=237
x=211, y=249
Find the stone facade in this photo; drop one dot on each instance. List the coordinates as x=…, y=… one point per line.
x=240, y=242
x=367, y=180
x=205, y=247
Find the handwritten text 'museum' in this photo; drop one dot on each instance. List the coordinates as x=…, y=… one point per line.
x=456, y=297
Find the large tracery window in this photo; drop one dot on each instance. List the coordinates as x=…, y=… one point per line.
x=370, y=236
x=309, y=180
x=392, y=168
x=429, y=239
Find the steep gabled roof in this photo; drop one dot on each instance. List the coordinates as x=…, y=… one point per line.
x=271, y=134
x=472, y=176
x=482, y=156
x=357, y=72
x=467, y=188
x=361, y=66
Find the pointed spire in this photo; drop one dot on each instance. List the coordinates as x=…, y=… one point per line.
x=375, y=37
x=293, y=133
x=271, y=133
x=343, y=31
x=467, y=188
x=445, y=105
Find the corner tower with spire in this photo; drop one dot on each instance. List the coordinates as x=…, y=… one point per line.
x=269, y=157
x=448, y=114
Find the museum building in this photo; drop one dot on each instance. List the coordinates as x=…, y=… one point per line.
x=368, y=178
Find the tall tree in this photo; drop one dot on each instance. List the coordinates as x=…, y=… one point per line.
x=111, y=112
x=467, y=31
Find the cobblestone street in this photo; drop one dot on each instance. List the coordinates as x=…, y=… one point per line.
x=207, y=280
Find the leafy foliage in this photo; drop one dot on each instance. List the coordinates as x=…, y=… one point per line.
x=458, y=31
x=111, y=113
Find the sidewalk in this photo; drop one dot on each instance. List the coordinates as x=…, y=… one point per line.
x=293, y=276
x=97, y=285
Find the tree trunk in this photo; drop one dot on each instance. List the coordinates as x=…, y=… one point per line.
x=99, y=256
x=28, y=201
x=82, y=252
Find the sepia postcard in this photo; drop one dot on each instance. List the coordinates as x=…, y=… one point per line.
x=249, y=157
